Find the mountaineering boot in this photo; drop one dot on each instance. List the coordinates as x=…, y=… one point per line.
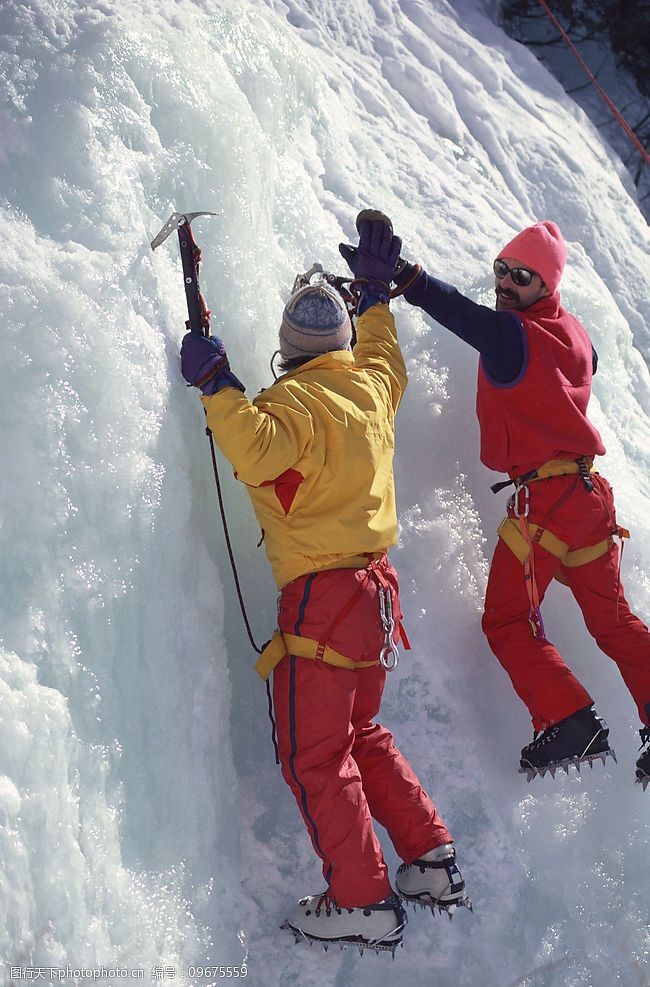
x=643, y=763
x=433, y=880
x=318, y=918
x=580, y=737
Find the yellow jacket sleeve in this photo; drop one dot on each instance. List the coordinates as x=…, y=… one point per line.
x=260, y=442
x=378, y=351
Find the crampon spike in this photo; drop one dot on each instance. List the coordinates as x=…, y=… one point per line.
x=531, y=771
x=432, y=905
x=377, y=947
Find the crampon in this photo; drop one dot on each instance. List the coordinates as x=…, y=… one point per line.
x=319, y=919
x=435, y=883
x=530, y=770
x=344, y=942
x=425, y=901
x=580, y=738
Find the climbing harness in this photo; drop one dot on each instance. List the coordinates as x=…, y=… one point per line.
x=554, y=467
x=283, y=643
x=521, y=535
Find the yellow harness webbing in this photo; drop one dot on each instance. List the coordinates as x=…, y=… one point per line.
x=509, y=532
x=560, y=467
x=521, y=535
x=282, y=644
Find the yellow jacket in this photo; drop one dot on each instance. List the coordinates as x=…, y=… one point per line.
x=315, y=451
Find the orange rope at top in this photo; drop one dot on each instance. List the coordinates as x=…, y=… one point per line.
x=617, y=113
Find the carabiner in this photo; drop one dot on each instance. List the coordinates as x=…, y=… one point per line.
x=388, y=624
x=389, y=649
x=515, y=501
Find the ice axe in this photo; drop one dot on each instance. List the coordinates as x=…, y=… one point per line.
x=199, y=314
x=199, y=321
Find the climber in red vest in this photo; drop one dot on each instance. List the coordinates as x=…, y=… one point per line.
x=534, y=383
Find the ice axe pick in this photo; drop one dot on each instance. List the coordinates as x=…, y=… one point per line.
x=199, y=314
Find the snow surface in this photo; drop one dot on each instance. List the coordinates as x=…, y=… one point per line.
x=143, y=823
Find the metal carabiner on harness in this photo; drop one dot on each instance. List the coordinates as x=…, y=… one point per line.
x=389, y=654
x=515, y=501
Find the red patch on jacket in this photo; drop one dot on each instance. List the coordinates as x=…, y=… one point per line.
x=286, y=487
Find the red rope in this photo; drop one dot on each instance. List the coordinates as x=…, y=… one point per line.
x=617, y=113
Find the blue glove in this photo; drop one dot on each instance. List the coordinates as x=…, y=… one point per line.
x=350, y=255
x=204, y=363
x=375, y=258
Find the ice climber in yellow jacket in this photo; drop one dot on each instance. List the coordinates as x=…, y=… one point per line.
x=315, y=451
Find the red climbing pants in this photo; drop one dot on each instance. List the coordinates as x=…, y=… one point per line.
x=344, y=769
x=540, y=677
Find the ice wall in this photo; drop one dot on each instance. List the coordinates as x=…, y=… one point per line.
x=143, y=820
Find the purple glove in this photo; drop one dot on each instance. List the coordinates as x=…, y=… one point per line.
x=375, y=258
x=204, y=363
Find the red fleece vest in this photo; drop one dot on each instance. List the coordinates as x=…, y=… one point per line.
x=541, y=415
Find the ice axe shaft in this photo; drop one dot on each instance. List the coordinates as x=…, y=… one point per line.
x=199, y=321
x=199, y=315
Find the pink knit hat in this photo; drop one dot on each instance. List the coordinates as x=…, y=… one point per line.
x=541, y=248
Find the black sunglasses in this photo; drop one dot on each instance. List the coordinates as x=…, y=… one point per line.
x=521, y=276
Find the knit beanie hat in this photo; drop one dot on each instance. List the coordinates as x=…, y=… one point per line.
x=541, y=248
x=315, y=320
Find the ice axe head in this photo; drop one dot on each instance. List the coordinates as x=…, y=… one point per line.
x=175, y=220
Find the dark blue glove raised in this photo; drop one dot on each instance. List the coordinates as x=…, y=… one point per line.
x=374, y=260
x=204, y=363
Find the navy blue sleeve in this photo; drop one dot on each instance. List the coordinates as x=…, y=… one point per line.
x=498, y=336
